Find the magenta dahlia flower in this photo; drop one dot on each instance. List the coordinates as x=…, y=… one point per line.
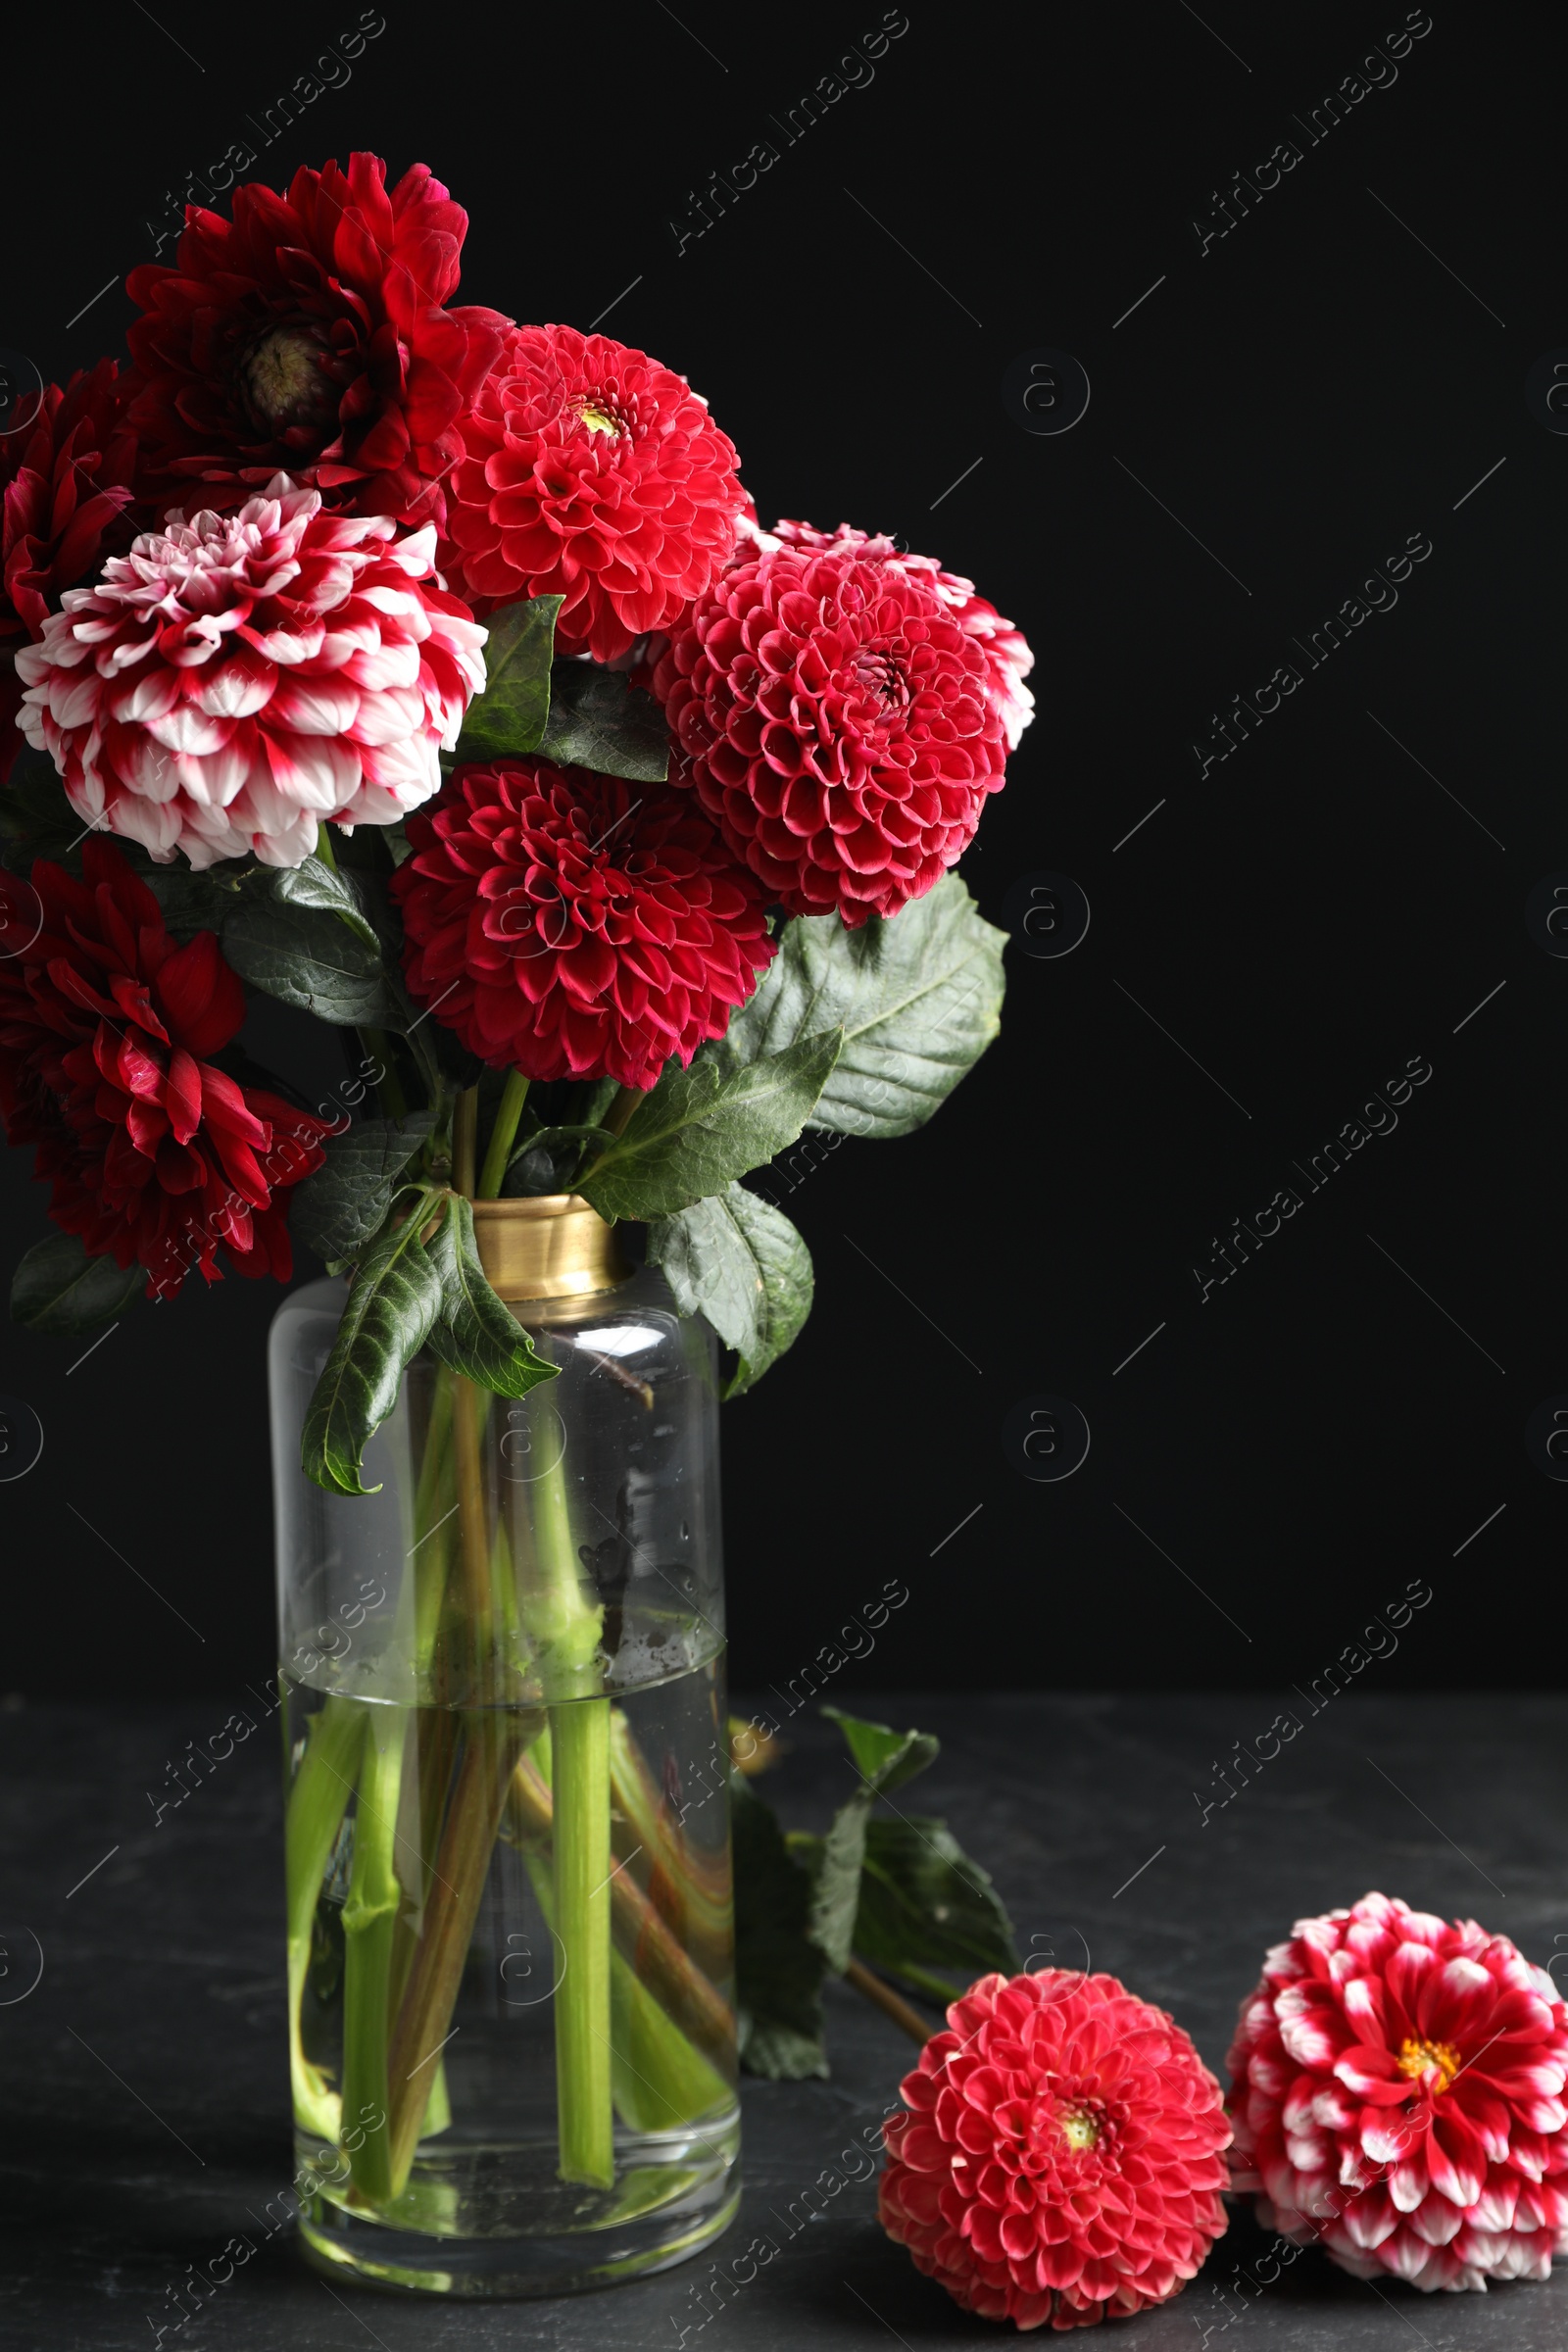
x=573, y=925
x=1008, y=656
x=311, y=336
x=838, y=723
x=65, y=504
x=1060, y=2159
x=1397, y=2097
x=107, y=1033
x=593, y=473
x=235, y=679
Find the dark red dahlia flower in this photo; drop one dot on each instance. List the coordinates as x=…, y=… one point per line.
x=64, y=505
x=837, y=720
x=590, y=473
x=572, y=925
x=106, y=1028
x=1060, y=2158
x=1398, y=2097
x=310, y=336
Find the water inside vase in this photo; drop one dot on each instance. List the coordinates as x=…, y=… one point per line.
x=433, y=1992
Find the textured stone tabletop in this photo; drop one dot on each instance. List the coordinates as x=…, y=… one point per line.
x=142, y=2083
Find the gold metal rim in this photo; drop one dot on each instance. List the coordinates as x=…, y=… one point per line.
x=553, y=1247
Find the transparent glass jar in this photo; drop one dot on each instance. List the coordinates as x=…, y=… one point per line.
x=509, y=1934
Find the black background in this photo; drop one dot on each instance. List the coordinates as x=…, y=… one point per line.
x=1288, y=1453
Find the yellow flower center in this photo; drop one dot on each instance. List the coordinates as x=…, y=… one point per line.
x=1415, y=2057
x=1082, y=2129
x=598, y=421
x=283, y=376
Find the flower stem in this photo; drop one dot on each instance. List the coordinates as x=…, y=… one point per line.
x=317, y=1803
x=892, y=2004
x=503, y=1135
x=464, y=1139
x=370, y=1921
x=324, y=845
x=579, y=1748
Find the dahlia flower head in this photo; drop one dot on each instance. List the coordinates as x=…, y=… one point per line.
x=837, y=720
x=233, y=680
x=1008, y=656
x=1396, y=2098
x=569, y=924
x=154, y=1155
x=1060, y=2161
x=588, y=472
x=312, y=334
x=65, y=494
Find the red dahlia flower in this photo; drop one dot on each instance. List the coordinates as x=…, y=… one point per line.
x=1008, y=656
x=573, y=925
x=308, y=335
x=838, y=723
x=594, y=473
x=1397, y=2095
x=1060, y=2160
x=106, y=1033
x=66, y=479
x=235, y=679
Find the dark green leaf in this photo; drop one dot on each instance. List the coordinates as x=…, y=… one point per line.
x=314, y=883
x=738, y=1261
x=36, y=820
x=190, y=901
x=345, y=1204
x=475, y=1334
x=884, y=1759
x=918, y=997
x=509, y=716
x=58, y=1286
x=393, y=1300
x=597, y=721
x=312, y=957
x=778, y=1970
x=701, y=1127
x=928, y=1915
x=543, y=1162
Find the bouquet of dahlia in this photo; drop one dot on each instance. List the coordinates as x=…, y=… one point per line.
x=433, y=674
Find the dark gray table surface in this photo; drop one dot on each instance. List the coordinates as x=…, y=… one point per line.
x=162, y=1989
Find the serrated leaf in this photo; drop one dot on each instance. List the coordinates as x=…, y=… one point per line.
x=928, y=1914
x=339, y=1210
x=314, y=883
x=700, y=1128
x=312, y=957
x=919, y=997
x=597, y=721
x=885, y=1759
x=475, y=1334
x=58, y=1286
x=510, y=717
x=738, y=1260
x=393, y=1300
x=778, y=1970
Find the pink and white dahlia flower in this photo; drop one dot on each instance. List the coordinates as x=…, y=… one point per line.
x=1398, y=2098
x=234, y=679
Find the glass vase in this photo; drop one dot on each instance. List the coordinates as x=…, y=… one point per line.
x=512, y=2029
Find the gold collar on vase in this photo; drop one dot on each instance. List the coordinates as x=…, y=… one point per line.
x=553, y=1247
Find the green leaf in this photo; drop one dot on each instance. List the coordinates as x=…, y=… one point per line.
x=36, y=820
x=291, y=943
x=885, y=1759
x=314, y=883
x=393, y=1300
x=544, y=1160
x=509, y=716
x=339, y=1210
x=738, y=1261
x=928, y=1914
x=597, y=721
x=58, y=1286
x=476, y=1335
x=918, y=997
x=778, y=1970
x=192, y=902
x=701, y=1127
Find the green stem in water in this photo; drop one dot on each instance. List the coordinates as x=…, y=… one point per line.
x=579, y=1745
x=370, y=1919
x=503, y=1135
x=317, y=1803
